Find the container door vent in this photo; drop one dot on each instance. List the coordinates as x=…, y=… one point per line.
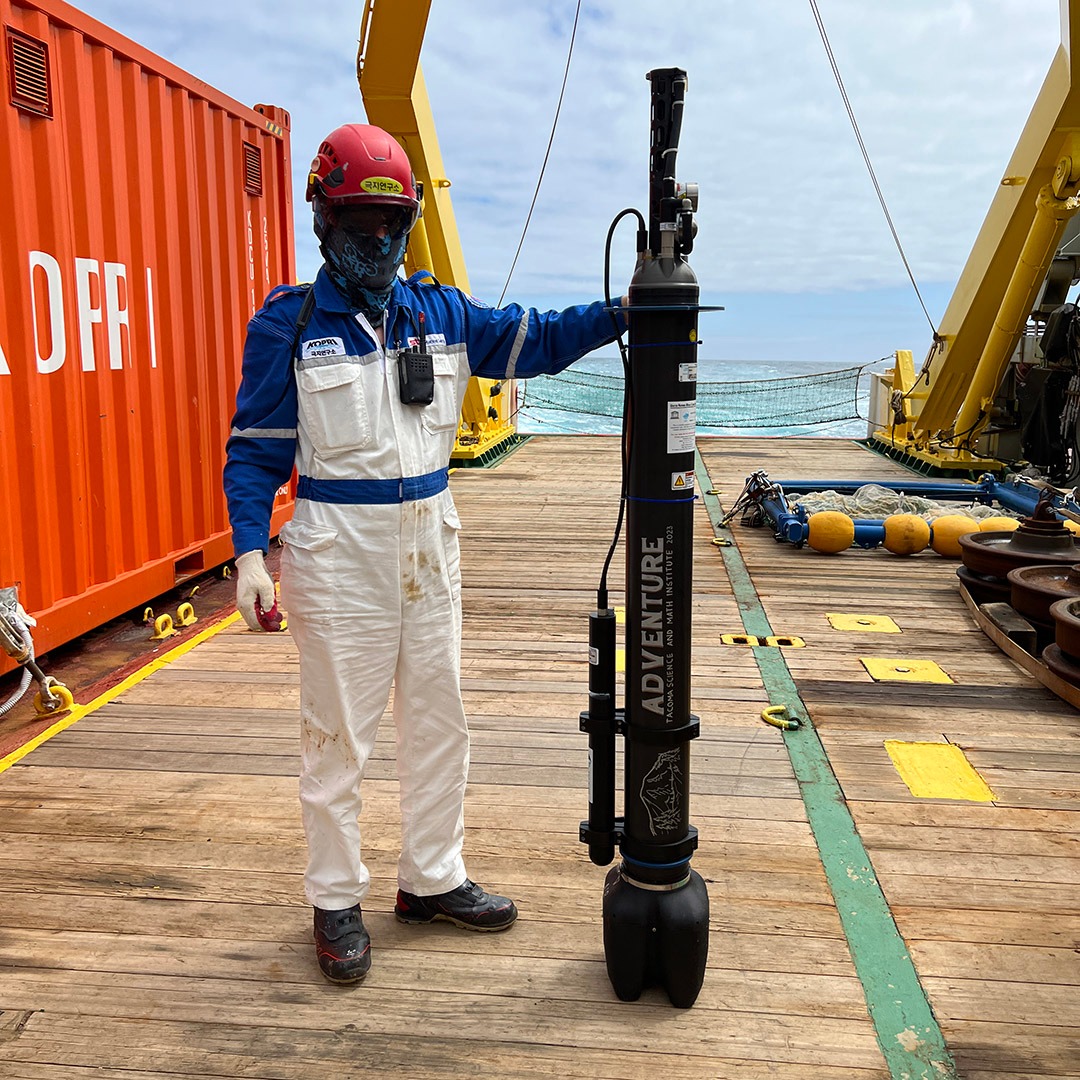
x=28, y=73
x=253, y=184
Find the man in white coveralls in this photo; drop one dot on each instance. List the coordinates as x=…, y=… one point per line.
x=358, y=381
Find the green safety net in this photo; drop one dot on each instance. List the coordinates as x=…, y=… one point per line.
x=760, y=403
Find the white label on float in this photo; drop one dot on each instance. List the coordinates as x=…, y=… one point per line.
x=590, y=775
x=594, y=655
x=688, y=373
x=682, y=481
x=681, y=426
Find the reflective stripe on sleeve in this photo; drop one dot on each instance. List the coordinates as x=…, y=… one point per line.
x=264, y=433
x=519, y=344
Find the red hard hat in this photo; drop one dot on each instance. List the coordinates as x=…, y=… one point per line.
x=360, y=163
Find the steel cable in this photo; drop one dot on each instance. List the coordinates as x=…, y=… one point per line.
x=869, y=165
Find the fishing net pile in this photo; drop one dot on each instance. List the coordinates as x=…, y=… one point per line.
x=757, y=403
x=874, y=501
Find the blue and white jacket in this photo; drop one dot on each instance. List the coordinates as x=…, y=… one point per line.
x=333, y=408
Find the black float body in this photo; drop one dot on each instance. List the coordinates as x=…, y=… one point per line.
x=659, y=562
x=655, y=907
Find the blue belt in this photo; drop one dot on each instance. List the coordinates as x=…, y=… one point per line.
x=371, y=492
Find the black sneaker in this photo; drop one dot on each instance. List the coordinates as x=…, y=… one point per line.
x=342, y=944
x=467, y=906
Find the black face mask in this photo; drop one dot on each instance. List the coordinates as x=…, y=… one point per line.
x=364, y=266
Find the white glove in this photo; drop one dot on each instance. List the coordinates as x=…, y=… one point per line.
x=253, y=583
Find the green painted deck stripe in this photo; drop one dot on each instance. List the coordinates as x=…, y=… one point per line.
x=904, y=1023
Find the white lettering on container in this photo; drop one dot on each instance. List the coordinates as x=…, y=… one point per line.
x=150, y=316
x=266, y=249
x=251, y=257
x=86, y=314
x=115, y=315
x=54, y=292
x=102, y=295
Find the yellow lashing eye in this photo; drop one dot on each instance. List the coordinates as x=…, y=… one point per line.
x=778, y=716
x=163, y=628
x=61, y=699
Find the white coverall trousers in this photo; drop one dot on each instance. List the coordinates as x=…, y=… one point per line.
x=373, y=595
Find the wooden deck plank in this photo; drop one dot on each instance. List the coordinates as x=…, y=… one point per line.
x=155, y=855
x=150, y=875
x=985, y=894
x=306, y=1003
x=300, y=1054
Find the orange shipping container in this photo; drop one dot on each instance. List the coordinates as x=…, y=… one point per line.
x=145, y=217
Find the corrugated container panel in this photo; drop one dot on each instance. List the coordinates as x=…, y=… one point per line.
x=145, y=218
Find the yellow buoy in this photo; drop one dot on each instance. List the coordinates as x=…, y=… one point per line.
x=998, y=524
x=947, y=531
x=905, y=534
x=830, y=531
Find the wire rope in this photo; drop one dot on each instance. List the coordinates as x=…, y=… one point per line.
x=547, y=154
x=866, y=158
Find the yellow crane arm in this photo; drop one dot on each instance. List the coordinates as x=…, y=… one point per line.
x=1001, y=280
x=395, y=98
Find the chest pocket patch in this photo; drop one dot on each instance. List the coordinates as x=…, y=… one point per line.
x=443, y=413
x=332, y=407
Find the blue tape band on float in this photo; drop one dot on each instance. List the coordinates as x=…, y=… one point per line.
x=372, y=492
x=655, y=865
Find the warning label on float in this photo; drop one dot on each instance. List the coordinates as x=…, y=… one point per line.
x=681, y=426
x=682, y=481
x=688, y=373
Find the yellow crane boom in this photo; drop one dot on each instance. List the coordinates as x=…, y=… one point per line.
x=951, y=399
x=395, y=98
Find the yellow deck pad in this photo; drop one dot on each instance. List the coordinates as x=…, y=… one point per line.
x=784, y=641
x=886, y=669
x=936, y=770
x=866, y=624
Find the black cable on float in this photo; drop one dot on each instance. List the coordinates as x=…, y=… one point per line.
x=628, y=391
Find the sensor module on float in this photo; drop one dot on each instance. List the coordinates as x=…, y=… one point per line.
x=655, y=907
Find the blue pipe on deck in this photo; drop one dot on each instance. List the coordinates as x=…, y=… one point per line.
x=928, y=489
x=792, y=524
x=1014, y=495
x=869, y=532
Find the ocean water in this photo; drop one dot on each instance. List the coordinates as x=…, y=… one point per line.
x=538, y=421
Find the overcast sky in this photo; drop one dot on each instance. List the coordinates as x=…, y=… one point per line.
x=792, y=240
